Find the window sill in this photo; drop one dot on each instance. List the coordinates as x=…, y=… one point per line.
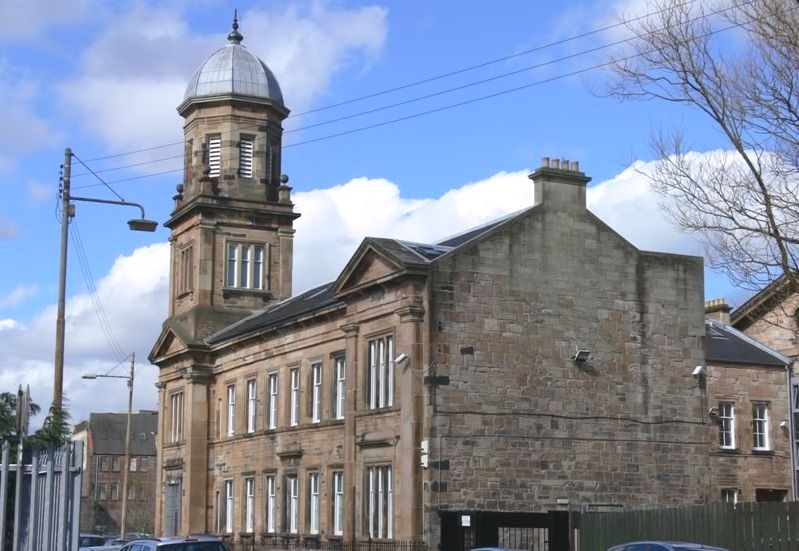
x=756, y=451
x=229, y=292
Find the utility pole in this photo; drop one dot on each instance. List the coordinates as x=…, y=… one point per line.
x=123, y=522
x=67, y=211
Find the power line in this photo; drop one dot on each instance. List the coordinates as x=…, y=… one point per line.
x=465, y=102
x=429, y=79
x=153, y=161
x=98, y=177
x=486, y=63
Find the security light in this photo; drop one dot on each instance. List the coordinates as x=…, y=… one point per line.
x=401, y=358
x=581, y=356
x=698, y=371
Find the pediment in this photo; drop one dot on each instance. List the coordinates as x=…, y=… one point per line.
x=168, y=344
x=367, y=267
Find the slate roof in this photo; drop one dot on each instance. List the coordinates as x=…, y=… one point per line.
x=108, y=432
x=307, y=303
x=725, y=344
x=318, y=299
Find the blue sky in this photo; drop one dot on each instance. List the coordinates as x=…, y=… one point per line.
x=104, y=78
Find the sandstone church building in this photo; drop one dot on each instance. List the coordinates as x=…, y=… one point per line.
x=538, y=364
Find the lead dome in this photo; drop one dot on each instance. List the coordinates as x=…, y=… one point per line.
x=233, y=70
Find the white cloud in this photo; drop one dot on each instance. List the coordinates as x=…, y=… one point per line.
x=316, y=40
x=39, y=192
x=134, y=75
x=334, y=221
x=8, y=230
x=8, y=324
x=25, y=20
x=22, y=130
x=18, y=295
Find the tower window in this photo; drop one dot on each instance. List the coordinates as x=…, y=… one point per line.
x=185, y=270
x=214, y=155
x=245, y=265
x=245, y=157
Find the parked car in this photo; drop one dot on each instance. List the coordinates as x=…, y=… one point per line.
x=190, y=543
x=114, y=544
x=664, y=546
x=86, y=541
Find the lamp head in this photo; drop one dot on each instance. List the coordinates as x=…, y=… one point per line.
x=89, y=376
x=142, y=224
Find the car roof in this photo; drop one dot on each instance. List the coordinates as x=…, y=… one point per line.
x=675, y=544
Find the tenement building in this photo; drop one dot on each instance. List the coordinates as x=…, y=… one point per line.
x=433, y=392
x=103, y=481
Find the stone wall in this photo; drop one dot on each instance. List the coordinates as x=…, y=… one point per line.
x=742, y=468
x=520, y=425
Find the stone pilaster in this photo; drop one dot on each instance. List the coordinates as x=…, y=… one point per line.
x=351, y=476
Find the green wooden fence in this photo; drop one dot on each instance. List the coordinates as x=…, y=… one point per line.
x=739, y=527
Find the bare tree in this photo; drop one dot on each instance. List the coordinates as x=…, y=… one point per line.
x=736, y=63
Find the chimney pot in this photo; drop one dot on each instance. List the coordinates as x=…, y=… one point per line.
x=564, y=164
x=575, y=166
x=718, y=309
x=544, y=162
x=556, y=164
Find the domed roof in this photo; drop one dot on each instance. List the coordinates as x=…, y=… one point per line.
x=232, y=69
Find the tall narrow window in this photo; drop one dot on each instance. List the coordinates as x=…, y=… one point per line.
x=729, y=495
x=338, y=503
x=295, y=397
x=379, y=505
x=727, y=425
x=228, y=507
x=340, y=388
x=244, y=272
x=271, y=420
x=316, y=392
x=251, y=405
x=214, y=155
x=760, y=426
x=232, y=264
x=313, y=503
x=176, y=417
x=245, y=157
x=258, y=267
x=245, y=264
x=249, y=505
x=291, y=510
x=185, y=281
x=381, y=372
x=270, y=503
x=231, y=410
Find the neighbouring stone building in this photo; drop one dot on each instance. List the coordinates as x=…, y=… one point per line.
x=532, y=366
x=772, y=317
x=103, y=437
x=748, y=398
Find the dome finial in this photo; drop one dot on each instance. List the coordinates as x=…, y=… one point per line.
x=235, y=37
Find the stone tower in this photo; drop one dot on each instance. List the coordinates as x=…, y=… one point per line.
x=232, y=235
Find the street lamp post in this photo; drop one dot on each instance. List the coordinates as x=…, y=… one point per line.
x=68, y=211
x=126, y=467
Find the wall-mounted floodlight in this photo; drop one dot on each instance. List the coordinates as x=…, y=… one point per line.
x=698, y=371
x=784, y=425
x=403, y=357
x=581, y=356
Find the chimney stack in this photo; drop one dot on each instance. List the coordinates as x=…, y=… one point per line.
x=718, y=309
x=560, y=185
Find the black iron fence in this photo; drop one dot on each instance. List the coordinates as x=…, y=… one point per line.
x=738, y=527
x=295, y=543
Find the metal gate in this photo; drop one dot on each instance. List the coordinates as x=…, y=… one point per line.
x=172, y=509
x=464, y=530
x=40, y=500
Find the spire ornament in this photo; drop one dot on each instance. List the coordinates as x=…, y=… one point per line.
x=235, y=37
